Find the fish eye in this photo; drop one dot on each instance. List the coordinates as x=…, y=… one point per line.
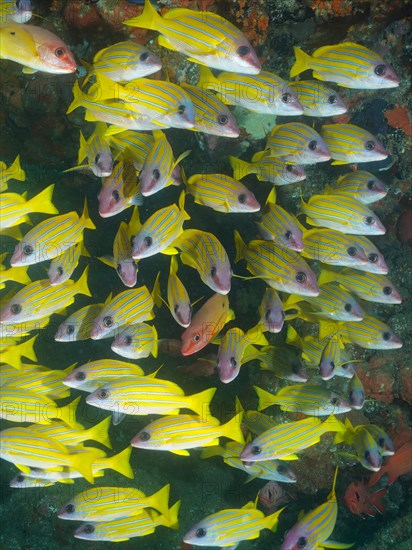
x=181, y=109
x=233, y=362
x=15, y=309
x=313, y=144
x=380, y=70
x=80, y=375
x=373, y=258
x=334, y=401
x=387, y=290
x=20, y=478
x=213, y=271
x=145, y=436
x=103, y=394
x=108, y=321
x=369, y=220
x=222, y=119
x=60, y=271
x=332, y=365
x=357, y=495
x=267, y=314
x=89, y=528
x=156, y=174
x=256, y=450
x=348, y=308
x=370, y=145
x=332, y=99
x=286, y=97
x=381, y=442
x=370, y=185
x=386, y=336
x=242, y=198
x=128, y=340
x=351, y=251
x=28, y=250
x=288, y=234
x=302, y=541
x=97, y=158
x=200, y=532
x=176, y=309
x=289, y=168
x=367, y=455
x=116, y=195
x=144, y=56
x=301, y=277
x=60, y=52
x=148, y=241
x=119, y=268
x=70, y=508
x=196, y=337
x=243, y=50
x=69, y=329
x=282, y=468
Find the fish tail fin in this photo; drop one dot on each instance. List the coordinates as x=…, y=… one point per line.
x=266, y=399
x=100, y=432
x=271, y=521
x=15, y=171
x=326, y=276
x=232, y=429
x=160, y=501
x=240, y=246
x=200, y=402
x=155, y=347
x=302, y=62
x=240, y=167
x=13, y=355
x=215, y=450
x=43, y=202
x=148, y=19
x=20, y=275
x=68, y=413
x=293, y=338
x=87, y=222
x=207, y=80
x=81, y=284
x=82, y=462
x=182, y=206
x=156, y=294
x=172, y=519
x=121, y=462
x=78, y=98
x=333, y=424
x=256, y=336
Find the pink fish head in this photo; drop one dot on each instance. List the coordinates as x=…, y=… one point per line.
x=298, y=538
x=53, y=52
x=228, y=366
x=102, y=164
x=127, y=271
x=182, y=313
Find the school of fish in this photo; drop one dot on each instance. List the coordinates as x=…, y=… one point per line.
x=127, y=112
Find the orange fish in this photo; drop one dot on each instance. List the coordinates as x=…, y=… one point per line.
x=397, y=465
x=206, y=323
x=360, y=501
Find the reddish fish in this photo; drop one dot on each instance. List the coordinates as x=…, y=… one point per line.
x=35, y=48
x=206, y=323
x=397, y=465
x=273, y=496
x=360, y=501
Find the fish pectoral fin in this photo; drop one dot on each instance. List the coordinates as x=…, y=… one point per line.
x=117, y=417
x=181, y=452
x=337, y=545
x=336, y=162
x=170, y=251
x=292, y=456
x=28, y=70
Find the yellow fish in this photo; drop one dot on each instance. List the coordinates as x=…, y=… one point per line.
x=204, y=36
x=137, y=341
x=15, y=208
x=348, y=64
x=13, y=172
